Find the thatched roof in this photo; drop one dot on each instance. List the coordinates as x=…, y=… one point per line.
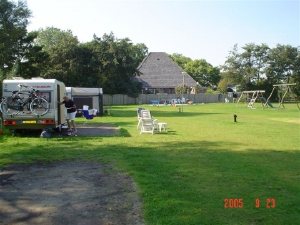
x=158, y=70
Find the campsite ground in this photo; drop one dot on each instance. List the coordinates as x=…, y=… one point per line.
x=193, y=173
x=68, y=193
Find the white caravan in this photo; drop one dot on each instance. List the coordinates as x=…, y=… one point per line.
x=51, y=90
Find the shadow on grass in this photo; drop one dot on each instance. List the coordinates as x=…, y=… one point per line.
x=181, y=114
x=157, y=113
x=187, y=182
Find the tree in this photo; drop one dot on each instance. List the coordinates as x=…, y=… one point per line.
x=248, y=67
x=203, y=72
x=180, y=59
x=61, y=46
x=224, y=83
x=32, y=61
x=85, y=67
x=116, y=61
x=259, y=67
x=105, y=62
x=254, y=59
x=182, y=90
x=296, y=74
x=283, y=64
x=232, y=68
x=13, y=23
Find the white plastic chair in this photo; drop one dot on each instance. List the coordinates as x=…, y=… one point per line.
x=148, y=126
x=143, y=114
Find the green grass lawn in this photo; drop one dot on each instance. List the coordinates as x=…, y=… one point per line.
x=185, y=175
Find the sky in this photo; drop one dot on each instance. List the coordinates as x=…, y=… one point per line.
x=199, y=29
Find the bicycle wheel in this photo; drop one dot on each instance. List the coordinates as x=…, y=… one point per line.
x=9, y=107
x=4, y=108
x=39, y=106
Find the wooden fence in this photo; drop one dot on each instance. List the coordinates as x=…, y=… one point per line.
x=119, y=99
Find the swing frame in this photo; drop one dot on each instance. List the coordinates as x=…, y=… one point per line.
x=254, y=95
x=281, y=98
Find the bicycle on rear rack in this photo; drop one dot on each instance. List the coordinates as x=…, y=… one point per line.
x=17, y=103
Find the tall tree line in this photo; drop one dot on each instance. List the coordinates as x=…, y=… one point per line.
x=106, y=61
x=111, y=63
x=260, y=67
x=252, y=67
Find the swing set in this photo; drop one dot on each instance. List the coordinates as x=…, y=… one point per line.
x=283, y=90
x=251, y=96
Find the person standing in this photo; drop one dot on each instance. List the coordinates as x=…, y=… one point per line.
x=71, y=113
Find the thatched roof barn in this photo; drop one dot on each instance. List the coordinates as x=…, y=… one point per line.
x=160, y=74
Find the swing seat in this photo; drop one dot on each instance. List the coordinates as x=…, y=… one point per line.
x=87, y=115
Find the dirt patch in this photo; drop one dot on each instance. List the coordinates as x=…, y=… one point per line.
x=68, y=193
x=103, y=129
